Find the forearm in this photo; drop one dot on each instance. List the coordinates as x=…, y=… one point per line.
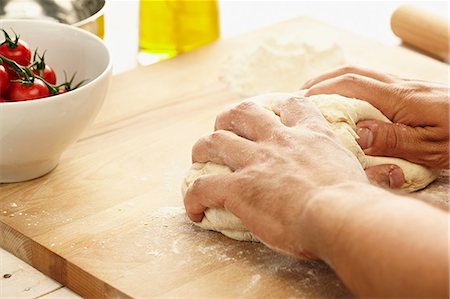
x=380, y=244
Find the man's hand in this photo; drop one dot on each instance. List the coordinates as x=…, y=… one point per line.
x=278, y=163
x=419, y=111
x=301, y=193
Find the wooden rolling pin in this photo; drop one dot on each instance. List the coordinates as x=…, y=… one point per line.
x=423, y=30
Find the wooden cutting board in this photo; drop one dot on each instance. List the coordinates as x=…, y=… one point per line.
x=109, y=222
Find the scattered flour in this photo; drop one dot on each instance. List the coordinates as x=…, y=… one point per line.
x=254, y=280
x=279, y=64
x=154, y=253
x=168, y=212
x=174, y=246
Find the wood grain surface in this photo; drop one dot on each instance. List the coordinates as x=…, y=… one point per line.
x=109, y=222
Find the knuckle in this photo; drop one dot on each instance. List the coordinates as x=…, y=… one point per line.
x=294, y=100
x=415, y=86
x=212, y=141
x=245, y=105
x=390, y=138
x=349, y=77
x=216, y=136
x=198, y=146
x=293, y=104
x=237, y=111
x=225, y=119
x=348, y=69
x=197, y=186
x=399, y=140
x=297, y=102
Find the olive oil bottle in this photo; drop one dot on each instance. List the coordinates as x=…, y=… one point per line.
x=170, y=27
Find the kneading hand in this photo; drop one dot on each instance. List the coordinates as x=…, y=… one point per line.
x=278, y=163
x=419, y=111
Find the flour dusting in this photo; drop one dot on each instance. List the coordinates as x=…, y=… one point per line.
x=279, y=64
x=253, y=282
x=167, y=212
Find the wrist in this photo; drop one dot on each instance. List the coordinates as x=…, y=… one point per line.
x=326, y=214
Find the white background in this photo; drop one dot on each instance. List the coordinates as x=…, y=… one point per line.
x=369, y=18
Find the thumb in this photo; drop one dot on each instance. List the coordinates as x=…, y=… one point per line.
x=379, y=138
x=386, y=175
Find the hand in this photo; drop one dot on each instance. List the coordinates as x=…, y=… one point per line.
x=278, y=163
x=419, y=111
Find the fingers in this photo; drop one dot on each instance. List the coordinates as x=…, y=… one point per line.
x=225, y=148
x=248, y=120
x=386, y=175
x=378, y=138
x=350, y=70
x=209, y=191
x=297, y=110
x=380, y=94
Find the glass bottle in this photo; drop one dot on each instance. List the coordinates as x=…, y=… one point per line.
x=170, y=27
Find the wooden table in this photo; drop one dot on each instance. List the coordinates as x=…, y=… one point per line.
x=109, y=222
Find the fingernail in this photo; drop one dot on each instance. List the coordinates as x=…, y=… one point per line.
x=396, y=178
x=365, y=137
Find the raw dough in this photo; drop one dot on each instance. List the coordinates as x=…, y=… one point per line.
x=342, y=115
x=217, y=219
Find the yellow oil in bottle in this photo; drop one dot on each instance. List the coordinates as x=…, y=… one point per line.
x=170, y=27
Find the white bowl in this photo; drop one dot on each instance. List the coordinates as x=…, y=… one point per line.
x=33, y=134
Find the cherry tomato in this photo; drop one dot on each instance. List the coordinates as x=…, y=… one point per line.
x=48, y=74
x=3, y=100
x=24, y=92
x=18, y=51
x=4, y=81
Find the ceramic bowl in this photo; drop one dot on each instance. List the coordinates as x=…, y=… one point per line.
x=34, y=134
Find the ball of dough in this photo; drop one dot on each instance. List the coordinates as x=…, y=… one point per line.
x=342, y=114
x=219, y=220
